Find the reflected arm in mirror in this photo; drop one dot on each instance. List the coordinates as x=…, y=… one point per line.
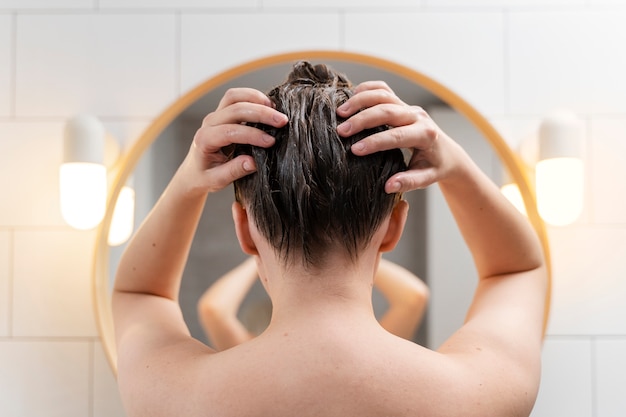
x=218, y=306
x=407, y=296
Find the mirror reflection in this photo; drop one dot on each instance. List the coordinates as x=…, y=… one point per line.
x=430, y=240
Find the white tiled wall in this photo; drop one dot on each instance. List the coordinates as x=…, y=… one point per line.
x=504, y=3
x=611, y=376
x=41, y=145
x=566, y=387
x=5, y=283
x=547, y=71
x=77, y=58
x=608, y=150
x=176, y=4
x=6, y=49
x=465, y=51
x=51, y=295
x=334, y=4
x=589, y=291
x=205, y=52
x=126, y=60
x=106, y=401
x=45, y=378
x=46, y=5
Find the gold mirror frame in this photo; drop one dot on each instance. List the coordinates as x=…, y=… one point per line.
x=100, y=276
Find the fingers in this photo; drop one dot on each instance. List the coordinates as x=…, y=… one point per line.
x=366, y=97
x=374, y=104
x=372, y=85
x=211, y=139
x=209, y=165
x=226, y=125
x=413, y=179
x=222, y=175
x=420, y=134
x=379, y=115
x=235, y=95
x=245, y=105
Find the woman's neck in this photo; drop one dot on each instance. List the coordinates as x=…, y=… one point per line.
x=340, y=290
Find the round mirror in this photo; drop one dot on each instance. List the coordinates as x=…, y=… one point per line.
x=430, y=241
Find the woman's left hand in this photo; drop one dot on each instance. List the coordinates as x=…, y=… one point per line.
x=434, y=155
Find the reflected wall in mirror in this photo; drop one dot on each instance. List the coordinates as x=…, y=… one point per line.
x=431, y=246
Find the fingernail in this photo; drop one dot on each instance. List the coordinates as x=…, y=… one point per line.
x=358, y=147
x=345, y=107
x=344, y=128
x=393, y=187
x=280, y=118
x=268, y=139
x=247, y=166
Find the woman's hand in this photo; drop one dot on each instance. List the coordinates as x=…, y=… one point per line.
x=434, y=155
x=207, y=168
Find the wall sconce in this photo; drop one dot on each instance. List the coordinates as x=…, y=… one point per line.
x=555, y=158
x=83, y=176
x=559, y=172
x=87, y=153
x=122, y=222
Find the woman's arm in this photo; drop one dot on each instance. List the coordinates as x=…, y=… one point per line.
x=147, y=317
x=220, y=303
x=407, y=296
x=501, y=339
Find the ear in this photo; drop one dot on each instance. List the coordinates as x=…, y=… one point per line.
x=242, y=229
x=397, y=220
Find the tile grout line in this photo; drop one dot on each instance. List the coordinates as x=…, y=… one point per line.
x=506, y=23
x=588, y=172
x=178, y=48
x=91, y=378
x=342, y=29
x=11, y=295
x=594, y=375
x=50, y=339
x=13, y=70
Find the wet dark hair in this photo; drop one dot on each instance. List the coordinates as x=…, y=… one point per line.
x=310, y=194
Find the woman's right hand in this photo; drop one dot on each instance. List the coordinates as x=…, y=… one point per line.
x=207, y=168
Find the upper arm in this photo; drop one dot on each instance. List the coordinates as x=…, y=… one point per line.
x=146, y=323
x=155, y=351
x=510, y=308
x=503, y=332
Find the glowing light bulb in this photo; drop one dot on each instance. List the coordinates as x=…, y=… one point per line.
x=122, y=223
x=83, y=190
x=512, y=193
x=559, y=173
x=82, y=175
x=560, y=185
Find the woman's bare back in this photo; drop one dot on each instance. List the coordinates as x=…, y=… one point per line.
x=357, y=373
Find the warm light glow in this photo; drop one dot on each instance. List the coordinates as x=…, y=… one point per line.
x=560, y=185
x=122, y=223
x=83, y=189
x=512, y=193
